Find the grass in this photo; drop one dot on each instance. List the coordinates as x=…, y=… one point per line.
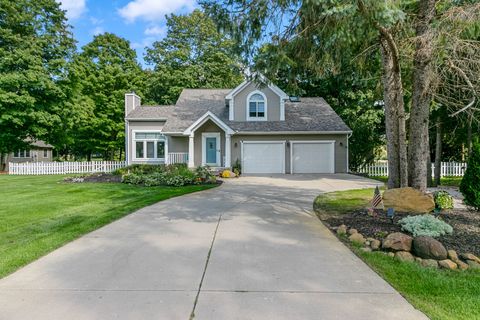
x=41, y=213
x=340, y=202
x=440, y=294
x=444, y=181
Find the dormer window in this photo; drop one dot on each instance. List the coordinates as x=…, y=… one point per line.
x=257, y=106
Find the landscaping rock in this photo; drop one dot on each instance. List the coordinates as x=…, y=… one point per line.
x=447, y=264
x=342, y=230
x=404, y=256
x=366, y=249
x=472, y=264
x=418, y=259
x=352, y=231
x=375, y=244
x=469, y=256
x=462, y=265
x=391, y=254
x=429, y=263
x=408, y=200
x=452, y=255
x=397, y=241
x=357, y=238
x=429, y=248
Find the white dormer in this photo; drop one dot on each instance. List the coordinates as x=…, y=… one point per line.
x=252, y=101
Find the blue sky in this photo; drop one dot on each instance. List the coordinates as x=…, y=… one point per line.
x=139, y=21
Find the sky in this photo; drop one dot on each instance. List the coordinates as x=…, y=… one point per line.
x=140, y=21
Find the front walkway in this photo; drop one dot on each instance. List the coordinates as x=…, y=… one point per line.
x=250, y=249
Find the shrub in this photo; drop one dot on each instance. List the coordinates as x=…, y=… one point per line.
x=139, y=169
x=237, y=167
x=425, y=225
x=443, y=200
x=176, y=175
x=470, y=185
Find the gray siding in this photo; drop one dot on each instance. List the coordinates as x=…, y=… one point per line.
x=240, y=102
x=340, y=150
x=36, y=155
x=177, y=144
x=208, y=126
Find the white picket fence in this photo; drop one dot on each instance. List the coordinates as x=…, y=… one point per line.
x=448, y=169
x=39, y=168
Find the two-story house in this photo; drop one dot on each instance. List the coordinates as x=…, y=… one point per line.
x=258, y=126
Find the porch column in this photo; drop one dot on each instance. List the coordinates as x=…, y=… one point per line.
x=228, y=151
x=191, y=151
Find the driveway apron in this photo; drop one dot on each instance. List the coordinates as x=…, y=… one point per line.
x=250, y=249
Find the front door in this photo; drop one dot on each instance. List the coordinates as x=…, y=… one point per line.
x=211, y=149
x=211, y=144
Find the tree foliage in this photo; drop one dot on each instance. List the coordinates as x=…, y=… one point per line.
x=192, y=55
x=470, y=185
x=103, y=72
x=35, y=45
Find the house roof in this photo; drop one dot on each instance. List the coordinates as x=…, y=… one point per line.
x=308, y=115
x=150, y=112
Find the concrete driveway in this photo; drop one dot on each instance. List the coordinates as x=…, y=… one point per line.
x=250, y=249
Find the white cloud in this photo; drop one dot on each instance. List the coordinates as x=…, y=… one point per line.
x=156, y=31
x=146, y=42
x=153, y=10
x=74, y=8
x=97, y=30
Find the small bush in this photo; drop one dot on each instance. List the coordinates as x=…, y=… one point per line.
x=237, y=167
x=140, y=169
x=443, y=200
x=425, y=225
x=470, y=185
x=176, y=175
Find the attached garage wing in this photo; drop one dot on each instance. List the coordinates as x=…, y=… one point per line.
x=313, y=157
x=263, y=157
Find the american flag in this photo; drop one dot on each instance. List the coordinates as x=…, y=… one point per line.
x=377, y=198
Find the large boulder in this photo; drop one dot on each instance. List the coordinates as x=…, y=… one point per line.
x=428, y=248
x=408, y=200
x=397, y=241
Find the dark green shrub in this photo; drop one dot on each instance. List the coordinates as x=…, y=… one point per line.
x=172, y=175
x=237, y=167
x=443, y=200
x=140, y=169
x=470, y=185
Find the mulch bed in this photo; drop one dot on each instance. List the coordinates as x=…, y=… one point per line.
x=96, y=177
x=466, y=227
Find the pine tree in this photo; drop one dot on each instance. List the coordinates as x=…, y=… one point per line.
x=470, y=185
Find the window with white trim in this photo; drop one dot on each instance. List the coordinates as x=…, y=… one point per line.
x=21, y=154
x=149, y=145
x=256, y=107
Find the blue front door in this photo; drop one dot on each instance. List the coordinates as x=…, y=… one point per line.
x=211, y=143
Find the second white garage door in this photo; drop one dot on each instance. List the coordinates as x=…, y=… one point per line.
x=263, y=157
x=313, y=157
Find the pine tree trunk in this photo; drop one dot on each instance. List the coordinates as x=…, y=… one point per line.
x=438, y=152
x=421, y=98
x=394, y=117
x=469, y=137
x=2, y=165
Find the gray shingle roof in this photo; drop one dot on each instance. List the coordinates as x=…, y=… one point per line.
x=151, y=112
x=310, y=114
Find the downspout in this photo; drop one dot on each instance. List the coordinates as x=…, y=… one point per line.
x=348, y=151
x=127, y=149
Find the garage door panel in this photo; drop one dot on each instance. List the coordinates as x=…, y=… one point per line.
x=312, y=157
x=262, y=157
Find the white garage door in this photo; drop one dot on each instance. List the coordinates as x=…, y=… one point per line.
x=263, y=157
x=313, y=157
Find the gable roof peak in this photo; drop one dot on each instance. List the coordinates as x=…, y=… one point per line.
x=257, y=77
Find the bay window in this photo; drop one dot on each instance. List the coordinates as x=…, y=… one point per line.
x=149, y=146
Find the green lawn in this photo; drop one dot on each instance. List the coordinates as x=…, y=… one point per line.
x=444, y=181
x=440, y=294
x=41, y=213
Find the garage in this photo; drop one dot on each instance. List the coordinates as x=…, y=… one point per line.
x=312, y=156
x=263, y=157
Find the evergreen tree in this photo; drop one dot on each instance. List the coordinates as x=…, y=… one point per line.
x=470, y=185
